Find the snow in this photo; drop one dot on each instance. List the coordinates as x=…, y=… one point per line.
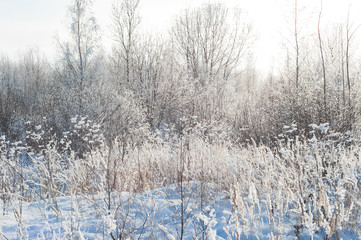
x=154, y=214
x=234, y=194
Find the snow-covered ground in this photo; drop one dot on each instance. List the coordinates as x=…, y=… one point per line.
x=155, y=214
x=307, y=190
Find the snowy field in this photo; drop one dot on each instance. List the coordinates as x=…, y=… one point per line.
x=156, y=214
x=178, y=134
x=185, y=189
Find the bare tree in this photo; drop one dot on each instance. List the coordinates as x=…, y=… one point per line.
x=322, y=60
x=297, y=45
x=210, y=42
x=34, y=75
x=150, y=78
x=7, y=103
x=80, y=55
x=126, y=20
x=350, y=33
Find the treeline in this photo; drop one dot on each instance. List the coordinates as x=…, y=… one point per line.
x=202, y=71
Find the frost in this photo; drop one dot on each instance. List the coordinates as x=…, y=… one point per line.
x=73, y=120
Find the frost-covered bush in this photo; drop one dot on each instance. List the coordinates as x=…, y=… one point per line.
x=81, y=136
x=304, y=186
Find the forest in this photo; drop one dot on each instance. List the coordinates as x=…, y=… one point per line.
x=179, y=136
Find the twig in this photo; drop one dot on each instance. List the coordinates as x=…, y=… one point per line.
x=41, y=197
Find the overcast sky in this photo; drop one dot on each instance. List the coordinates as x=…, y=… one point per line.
x=34, y=23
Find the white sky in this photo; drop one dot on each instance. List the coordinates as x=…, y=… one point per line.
x=34, y=23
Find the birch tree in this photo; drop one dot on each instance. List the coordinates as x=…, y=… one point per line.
x=126, y=20
x=80, y=55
